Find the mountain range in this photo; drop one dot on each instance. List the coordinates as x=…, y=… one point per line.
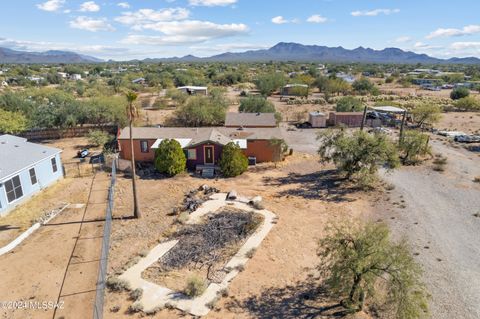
x=280, y=52
x=53, y=56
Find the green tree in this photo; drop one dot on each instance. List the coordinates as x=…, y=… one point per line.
x=413, y=145
x=361, y=262
x=357, y=155
x=12, y=122
x=258, y=104
x=98, y=137
x=170, y=158
x=349, y=104
x=269, y=82
x=132, y=113
x=460, y=92
x=233, y=162
x=202, y=111
x=364, y=86
x=426, y=113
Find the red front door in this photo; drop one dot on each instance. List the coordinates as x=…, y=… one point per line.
x=209, y=157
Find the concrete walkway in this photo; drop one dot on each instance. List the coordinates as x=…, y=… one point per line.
x=158, y=296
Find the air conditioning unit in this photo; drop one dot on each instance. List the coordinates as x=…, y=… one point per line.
x=252, y=160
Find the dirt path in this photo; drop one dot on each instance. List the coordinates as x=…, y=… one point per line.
x=438, y=220
x=59, y=262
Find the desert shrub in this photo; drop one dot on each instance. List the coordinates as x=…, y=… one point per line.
x=258, y=104
x=269, y=82
x=357, y=155
x=223, y=292
x=468, y=103
x=170, y=158
x=195, y=287
x=12, y=122
x=364, y=86
x=426, y=113
x=160, y=104
x=250, y=253
x=202, y=111
x=349, y=104
x=117, y=284
x=136, y=294
x=233, y=162
x=240, y=268
x=459, y=93
x=476, y=179
x=412, y=146
x=135, y=307
x=439, y=163
x=361, y=263
x=98, y=137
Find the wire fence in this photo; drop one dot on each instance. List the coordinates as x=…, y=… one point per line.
x=102, y=271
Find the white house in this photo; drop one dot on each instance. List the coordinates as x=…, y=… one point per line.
x=75, y=77
x=25, y=169
x=194, y=90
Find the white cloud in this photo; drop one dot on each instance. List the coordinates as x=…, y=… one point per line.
x=124, y=5
x=229, y=47
x=51, y=5
x=374, y=13
x=186, y=32
x=211, y=3
x=403, y=39
x=89, y=6
x=465, y=45
x=317, y=18
x=467, y=30
x=90, y=24
x=279, y=20
x=146, y=16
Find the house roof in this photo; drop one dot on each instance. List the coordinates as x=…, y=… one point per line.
x=190, y=87
x=390, y=109
x=201, y=133
x=18, y=154
x=250, y=119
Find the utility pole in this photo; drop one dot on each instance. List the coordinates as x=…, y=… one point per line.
x=364, y=117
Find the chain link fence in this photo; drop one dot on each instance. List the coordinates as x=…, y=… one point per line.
x=102, y=271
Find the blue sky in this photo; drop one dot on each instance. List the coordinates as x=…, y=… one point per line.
x=126, y=29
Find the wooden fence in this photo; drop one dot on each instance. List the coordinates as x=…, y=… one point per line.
x=79, y=131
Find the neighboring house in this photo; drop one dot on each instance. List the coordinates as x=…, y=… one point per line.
x=203, y=145
x=432, y=82
x=346, y=77
x=194, y=90
x=139, y=81
x=250, y=120
x=63, y=75
x=294, y=89
x=75, y=77
x=25, y=169
x=36, y=79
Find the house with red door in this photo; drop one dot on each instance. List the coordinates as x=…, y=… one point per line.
x=203, y=145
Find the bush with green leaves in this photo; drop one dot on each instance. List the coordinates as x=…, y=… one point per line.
x=12, y=122
x=469, y=103
x=349, y=104
x=269, y=82
x=358, y=155
x=361, y=263
x=364, y=86
x=170, y=158
x=98, y=137
x=233, y=162
x=202, y=111
x=195, y=286
x=412, y=146
x=459, y=93
x=258, y=104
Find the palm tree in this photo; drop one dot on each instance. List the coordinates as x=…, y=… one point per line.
x=132, y=113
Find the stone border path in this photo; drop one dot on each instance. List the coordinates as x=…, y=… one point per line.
x=158, y=296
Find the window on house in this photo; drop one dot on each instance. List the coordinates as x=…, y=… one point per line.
x=192, y=154
x=13, y=187
x=33, y=176
x=144, y=146
x=54, y=165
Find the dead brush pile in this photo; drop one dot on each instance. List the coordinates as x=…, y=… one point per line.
x=209, y=244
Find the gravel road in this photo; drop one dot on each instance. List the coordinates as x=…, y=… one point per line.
x=438, y=221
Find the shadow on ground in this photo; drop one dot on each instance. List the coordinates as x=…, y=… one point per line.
x=303, y=300
x=326, y=185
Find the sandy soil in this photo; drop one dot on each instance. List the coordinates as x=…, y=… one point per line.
x=468, y=122
x=435, y=211
x=296, y=191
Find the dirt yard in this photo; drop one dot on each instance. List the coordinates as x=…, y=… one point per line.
x=300, y=192
x=467, y=122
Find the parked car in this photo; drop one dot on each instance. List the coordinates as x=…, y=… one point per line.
x=83, y=153
x=304, y=125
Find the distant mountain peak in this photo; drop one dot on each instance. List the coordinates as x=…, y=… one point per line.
x=51, y=56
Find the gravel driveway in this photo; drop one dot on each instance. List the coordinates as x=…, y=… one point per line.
x=438, y=220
